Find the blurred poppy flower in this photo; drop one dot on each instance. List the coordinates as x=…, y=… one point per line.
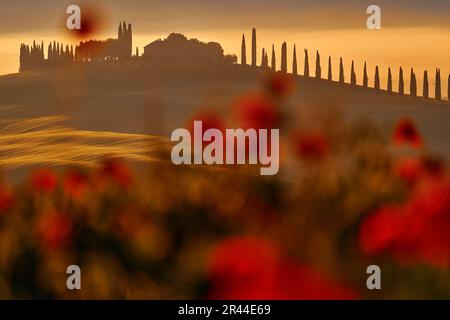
x=405, y=132
x=75, y=184
x=114, y=170
x=279, y=83
x=256, y=111
x=6, y=199
x=409, y=170
x=301, y=282
x=415, y=231
x=44, y=180
x=242, y=259
x=252, y=268
x=311, y=146
x=210, y=120
x=432, y=197
x=378, y=231
x=433, y=166
x=54, y=230
x=434, y=244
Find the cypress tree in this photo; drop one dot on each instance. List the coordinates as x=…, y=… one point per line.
x=330, y=72
x=353, y=74
x=438, y=85
x=273, y=64
x=243, y=51
x=413, y=84
x=426, y=90
x=253, y=47
x=341, y=71
x=365, y=77
x=294, y=62
x=448, y=88
x=377, y=79
x=50, y=52
x=401, y=84
x=389, y=81
x=263, y=58
x=318, y=71
x=306, y=70
x=318, y=68
x=21, y=57
x=284, y=57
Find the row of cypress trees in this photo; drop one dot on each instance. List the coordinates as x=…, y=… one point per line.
x=318, y=70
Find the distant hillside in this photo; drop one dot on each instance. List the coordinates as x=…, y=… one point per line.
x=156, y=100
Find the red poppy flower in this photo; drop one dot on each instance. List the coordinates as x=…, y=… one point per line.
x=300, y=282
x=311, y=146
x=416, y=231
x=54, y=230
x=44, y=180
x=433, y=166
x=6, y=199
x=409, y=170
x=256, y=111
x=75, y=184
x=116, y=171
x=210, y=120
x=251, y=268
x=279, y=83
x=432, y=197
x=378, y=231
x=242, y=259
x=434, y=244
x=406, y=133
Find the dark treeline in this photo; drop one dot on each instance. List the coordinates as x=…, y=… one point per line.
x=413, y=87
x=177, y=48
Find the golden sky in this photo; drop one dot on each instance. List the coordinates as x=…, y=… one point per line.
x=414, y=33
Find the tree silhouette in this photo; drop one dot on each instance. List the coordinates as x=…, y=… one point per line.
x=284, y=57
x=49, y=52
x=448, y=88
x=389, y=81
x=330, y=72
x=273, y=62
x=365, y=77
x=353, y=74
x=376, y=81
x=401, y=84
x=413, y=84
x=263, y=58
x=341, y=71
x=306, y=70
x=243, y=51
x=253, y=47
x=318, y=68
x=294, y=62
x=426, y=89
x=438, y=85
